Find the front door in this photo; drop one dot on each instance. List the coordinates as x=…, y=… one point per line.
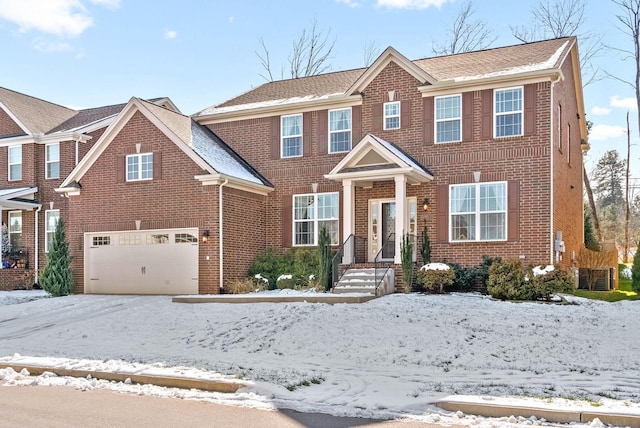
x=382, y=227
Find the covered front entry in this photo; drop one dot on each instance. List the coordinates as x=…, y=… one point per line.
x=141, y=262
x=382, y=227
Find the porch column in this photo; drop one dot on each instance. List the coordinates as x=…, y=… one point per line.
x=401, y=214
x=348, y=218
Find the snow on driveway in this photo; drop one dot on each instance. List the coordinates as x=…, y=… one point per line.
x=385, y=358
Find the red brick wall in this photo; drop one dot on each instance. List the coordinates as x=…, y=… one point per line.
x=8, y=126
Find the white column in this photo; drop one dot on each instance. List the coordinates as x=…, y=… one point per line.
x=348, y=217
x=401, y=213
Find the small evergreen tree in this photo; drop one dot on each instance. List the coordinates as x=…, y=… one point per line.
x=635, y=271
x=425, y=250
x=406, y=256
x=56, y=277
x=324, y=258
x=590, y=240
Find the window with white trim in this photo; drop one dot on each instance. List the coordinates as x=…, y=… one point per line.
x=508, y=113
x=52, y=160
x=478, y=212
x=559, y=136
x=15, y=163
x=391, y=115
x=140, y=167
x=448, y=119
x=51, y=218
x=569, y=143
x=340, y=130
x=15, y=229
x=291, y=136
x=310, y=213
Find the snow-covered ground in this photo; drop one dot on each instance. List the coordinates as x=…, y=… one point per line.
x=387, y=358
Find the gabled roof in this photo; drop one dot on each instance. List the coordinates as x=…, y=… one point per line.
x=19, y=198
x=35, y=116
x=207, y=150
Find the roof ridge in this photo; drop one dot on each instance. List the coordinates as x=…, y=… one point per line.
x=39, y=99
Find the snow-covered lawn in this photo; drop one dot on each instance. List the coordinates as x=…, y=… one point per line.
x=386, y=358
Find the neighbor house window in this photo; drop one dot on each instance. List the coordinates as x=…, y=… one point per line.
x=291, y=136
x=508, y=112
x=15, y=229
x=15, y=163
x=339, y=130
x=478, y=212
x=51, y=218
x=140, y=167
x=448, y=119
x=52, y=161
x=392, y=115
x=312, y=212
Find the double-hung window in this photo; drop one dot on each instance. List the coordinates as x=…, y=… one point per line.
x=508, y=112
x=15, y=229
x=52, y=160
x=51, y=218
x=291, y=136
x=478, y=212
x=449, y=119
x=311, y=213
x=15, y=163
x=392, y=115
x=340, y=130
x=140, y=167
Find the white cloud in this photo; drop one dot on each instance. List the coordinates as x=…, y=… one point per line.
x=350, y=3
x=111, y=4
x=170, y=34
x=605, y=132
x=627, y=103
x=60, y=17
x=231, y=19
x=51, y=47
x=410, y=4
x=600, y=111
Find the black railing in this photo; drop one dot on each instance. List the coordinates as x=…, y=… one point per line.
x=354, y=250
x=380, y=261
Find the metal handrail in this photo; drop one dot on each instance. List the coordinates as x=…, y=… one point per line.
x=351, y=243
x=377, y=259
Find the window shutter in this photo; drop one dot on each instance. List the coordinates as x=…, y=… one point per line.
x=323, y=134
x=120, y=167
x=487, y=114
x=356, y=125
x=513, y=195
x=306, y=134
x=157, y=165
x=467, y=116
x=529, y=109
x=405, y=114
x=275, y=137
x=287, y=221
x=377, y=117
x=427, y=119
x=442, y=213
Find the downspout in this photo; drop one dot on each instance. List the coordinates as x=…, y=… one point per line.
x=551, y=151
x=220, y=243
x=36, y=239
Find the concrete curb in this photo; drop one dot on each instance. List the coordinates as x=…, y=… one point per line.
x=329, y=298
x=549, y=414
x=165, y=381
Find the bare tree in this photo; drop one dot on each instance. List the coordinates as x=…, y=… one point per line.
x=627, y=219
x=309, y=56
x=465, y=34
x=370, y=53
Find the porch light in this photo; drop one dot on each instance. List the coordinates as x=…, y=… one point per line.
x=205, y=235
x=425, y=204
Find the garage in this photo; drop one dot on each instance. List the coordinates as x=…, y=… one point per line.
x=141, y=262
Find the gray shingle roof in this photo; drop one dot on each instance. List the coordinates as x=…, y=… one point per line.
x=37, y=115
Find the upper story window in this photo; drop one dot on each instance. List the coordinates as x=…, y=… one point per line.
x=391, y=115
x=340, y=130
x=448, y=119
x=291, y=136
x=310, y=213
x=15, y=163
x=508, y=112
x=139, y=167
x=50, y=220
x=478, y=212
x=52, y=160
x=15, y=229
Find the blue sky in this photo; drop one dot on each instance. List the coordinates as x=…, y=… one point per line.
x=88, y=53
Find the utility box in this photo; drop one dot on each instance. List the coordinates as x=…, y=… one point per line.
x=604, y=279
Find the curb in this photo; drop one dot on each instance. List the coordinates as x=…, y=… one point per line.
x=330, y=299
x=165, y=381
x=549, y=414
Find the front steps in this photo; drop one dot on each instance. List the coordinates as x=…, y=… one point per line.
x=364, y=280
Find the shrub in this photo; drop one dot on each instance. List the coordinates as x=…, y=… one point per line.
x=57, y=278
x=244, y=286
x=266, y=265
x=556, y=281
x=635, y=271
x=324, y=258
x=406, y=256
x=463, y=278
x=425, y=249
x=286, y=281
x=507, y=281
x=434, y=277
x=482, y=270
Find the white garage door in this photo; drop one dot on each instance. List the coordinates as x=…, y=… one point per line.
x=141, y=262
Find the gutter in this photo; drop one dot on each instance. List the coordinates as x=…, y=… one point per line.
x=35, y=279
x=552, y=166
x=220, y=235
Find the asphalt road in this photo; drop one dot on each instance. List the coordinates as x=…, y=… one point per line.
x=58, y=407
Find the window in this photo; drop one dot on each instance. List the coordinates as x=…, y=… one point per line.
x=131, y=239
x=15, y=163
x=185, y=238
x=392, y=115
x=569, y=143
x=159, y=238
x=51, y=218
x=339, y=130
x=15, y=229
x=508, y=112
x=478, y=212
x=559, y=136
x=311, y=213
x=448, y=119
x=140, y=167
x=52, y=162
x=99, y=241
x=291, y=136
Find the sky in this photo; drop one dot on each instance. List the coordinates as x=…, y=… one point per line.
x=389, y=358
x=89, y=53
